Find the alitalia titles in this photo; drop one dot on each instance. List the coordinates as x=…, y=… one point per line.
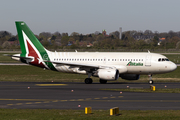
x=134, y=64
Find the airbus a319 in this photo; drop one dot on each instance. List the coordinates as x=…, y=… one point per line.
x=108, y=66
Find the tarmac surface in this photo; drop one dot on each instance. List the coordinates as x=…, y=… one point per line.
x=34, y=95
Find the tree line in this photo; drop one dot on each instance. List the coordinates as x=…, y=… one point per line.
x=99, y=40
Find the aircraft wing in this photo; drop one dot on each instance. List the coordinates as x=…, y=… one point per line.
x=79, y=65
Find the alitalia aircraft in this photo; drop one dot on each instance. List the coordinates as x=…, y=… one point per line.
x=107, y=66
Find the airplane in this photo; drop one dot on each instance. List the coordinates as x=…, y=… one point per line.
x=108, y=66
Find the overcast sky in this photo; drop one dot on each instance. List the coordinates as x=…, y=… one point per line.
x=88, y=16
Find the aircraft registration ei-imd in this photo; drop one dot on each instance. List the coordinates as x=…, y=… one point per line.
x=108, y=66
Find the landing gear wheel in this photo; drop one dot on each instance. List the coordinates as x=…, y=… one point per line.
x=88, y=81
x=150, y=79
x=151, y=82
x=103, y=81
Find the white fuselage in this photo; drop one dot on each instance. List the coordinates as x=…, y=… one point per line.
x=125, y=62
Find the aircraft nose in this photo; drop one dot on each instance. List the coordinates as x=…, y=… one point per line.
x=173, y=67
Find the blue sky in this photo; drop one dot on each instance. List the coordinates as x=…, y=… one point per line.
x=88, y=16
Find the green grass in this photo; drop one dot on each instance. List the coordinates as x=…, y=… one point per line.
x=54, y=114
x=164, y=90
x=35, y=74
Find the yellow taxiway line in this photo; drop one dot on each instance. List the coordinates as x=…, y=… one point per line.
x=51, y=84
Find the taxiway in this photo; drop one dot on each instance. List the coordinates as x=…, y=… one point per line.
x=34, y=95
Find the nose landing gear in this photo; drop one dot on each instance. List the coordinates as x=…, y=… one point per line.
x=150, y=79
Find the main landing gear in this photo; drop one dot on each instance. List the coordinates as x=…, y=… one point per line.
x=150, y=79
x=88, y=80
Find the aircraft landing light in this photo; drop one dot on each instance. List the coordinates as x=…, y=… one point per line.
x=51, y=84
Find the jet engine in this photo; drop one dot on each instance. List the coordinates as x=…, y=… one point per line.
x=108, y=74
x=130, y=76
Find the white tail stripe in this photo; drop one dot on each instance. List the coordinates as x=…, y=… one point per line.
x=25, y=38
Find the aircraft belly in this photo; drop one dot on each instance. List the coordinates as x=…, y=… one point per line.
x=64, y=68
x=134, y=69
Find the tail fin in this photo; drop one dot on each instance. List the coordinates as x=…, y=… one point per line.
x=32, y=50
x=30, y=45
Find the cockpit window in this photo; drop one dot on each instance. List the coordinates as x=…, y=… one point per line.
x=167, y=59
x=163, y=59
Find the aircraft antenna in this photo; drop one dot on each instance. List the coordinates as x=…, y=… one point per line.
x=149, y=51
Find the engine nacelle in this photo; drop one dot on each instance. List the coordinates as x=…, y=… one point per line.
x=130, y=76
x=108, y=74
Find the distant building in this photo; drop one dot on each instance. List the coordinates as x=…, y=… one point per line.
x=89, y=45
x=104, y=32
x=120, y=33
x=161, y=40
x=143, y=37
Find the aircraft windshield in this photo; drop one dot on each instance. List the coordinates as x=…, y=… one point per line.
x=163, y=59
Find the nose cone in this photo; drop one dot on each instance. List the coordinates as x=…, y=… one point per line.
x=173, y=67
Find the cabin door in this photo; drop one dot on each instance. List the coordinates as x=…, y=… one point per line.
x=148, y=60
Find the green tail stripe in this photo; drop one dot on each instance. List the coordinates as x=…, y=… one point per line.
x=21, y=26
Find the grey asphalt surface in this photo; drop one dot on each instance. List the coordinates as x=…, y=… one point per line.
x=32, y=95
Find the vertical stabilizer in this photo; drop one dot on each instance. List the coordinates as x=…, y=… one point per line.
x=31, y=47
